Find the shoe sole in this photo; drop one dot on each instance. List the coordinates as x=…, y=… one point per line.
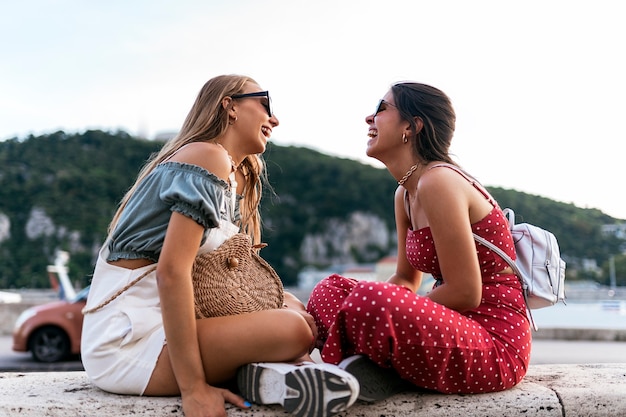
x=302, y=390
x=375, y=383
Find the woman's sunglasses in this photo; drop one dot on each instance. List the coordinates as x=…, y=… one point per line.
x=266, y=103
x=382, y=105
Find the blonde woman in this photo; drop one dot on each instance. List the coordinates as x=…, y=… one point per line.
x=146, y=340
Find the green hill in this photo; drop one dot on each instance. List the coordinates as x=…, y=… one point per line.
x=59, y=191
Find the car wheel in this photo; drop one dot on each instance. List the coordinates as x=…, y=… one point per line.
x=49, y=344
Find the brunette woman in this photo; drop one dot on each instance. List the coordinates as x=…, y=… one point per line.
x=470, y=334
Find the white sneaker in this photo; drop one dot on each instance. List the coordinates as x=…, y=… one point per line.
x=307, y=390
x=376, y=383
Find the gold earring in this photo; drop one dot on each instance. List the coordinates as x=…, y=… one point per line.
x=232, y=121
x=404, y=138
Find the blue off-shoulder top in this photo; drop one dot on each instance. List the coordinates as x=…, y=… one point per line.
x=171, y=187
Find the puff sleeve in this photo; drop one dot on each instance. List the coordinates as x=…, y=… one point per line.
x=197, y=194
x=170, y=187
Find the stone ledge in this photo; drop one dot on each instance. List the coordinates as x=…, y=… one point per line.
x=579, y=334
x=547, y=390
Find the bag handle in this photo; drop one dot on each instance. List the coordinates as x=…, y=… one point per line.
x=510, y=216
x=515, y=269
x=120, y=292
x=135, y=281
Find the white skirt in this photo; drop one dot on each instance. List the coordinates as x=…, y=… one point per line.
x=121, y=342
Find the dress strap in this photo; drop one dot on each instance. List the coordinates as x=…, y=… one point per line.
x=407, y=204
x=233, y=193
x=471, y=180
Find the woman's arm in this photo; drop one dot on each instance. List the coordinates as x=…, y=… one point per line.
x=180, y=247
x=445, y=199
x=405, y=274
x=177, y=304
x=182, y=241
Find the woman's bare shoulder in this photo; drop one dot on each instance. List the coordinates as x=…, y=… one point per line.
x=438, y=177
x=209, y=156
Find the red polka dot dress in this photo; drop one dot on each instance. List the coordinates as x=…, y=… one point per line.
x=486, y=349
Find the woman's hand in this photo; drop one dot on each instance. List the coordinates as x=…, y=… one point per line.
x=208, y=401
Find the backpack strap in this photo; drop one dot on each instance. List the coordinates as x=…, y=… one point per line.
x=511, y=218
x=516, y=271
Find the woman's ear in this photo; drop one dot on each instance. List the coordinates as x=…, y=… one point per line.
x=419, y=124
x=226, y=102
x=229, y=105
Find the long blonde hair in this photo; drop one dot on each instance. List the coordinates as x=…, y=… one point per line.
x=206, y=121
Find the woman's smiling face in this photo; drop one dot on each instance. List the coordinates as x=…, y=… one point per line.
x=254, y=122
x=385, y=128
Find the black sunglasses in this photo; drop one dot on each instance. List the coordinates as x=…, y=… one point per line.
x=382, y=103
x=266, y=103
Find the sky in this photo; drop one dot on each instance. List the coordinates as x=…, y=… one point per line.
x=538, y=86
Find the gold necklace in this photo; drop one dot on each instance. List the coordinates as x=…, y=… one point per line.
x=408, y=174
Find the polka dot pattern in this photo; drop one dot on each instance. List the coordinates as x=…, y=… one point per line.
x=482, y=350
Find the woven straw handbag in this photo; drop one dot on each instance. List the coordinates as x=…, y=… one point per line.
x=234, y=279
x=230, y=280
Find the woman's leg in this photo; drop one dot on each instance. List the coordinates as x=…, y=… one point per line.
x=226, y=343
x=261, y=341
x=426, y=343
x=325, y=301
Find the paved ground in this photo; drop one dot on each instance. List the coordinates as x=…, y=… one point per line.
x=11, y=361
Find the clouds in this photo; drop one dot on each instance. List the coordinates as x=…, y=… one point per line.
x=537, y=86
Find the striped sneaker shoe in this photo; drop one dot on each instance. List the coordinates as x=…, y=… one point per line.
x=306, y=390
x=376, y=383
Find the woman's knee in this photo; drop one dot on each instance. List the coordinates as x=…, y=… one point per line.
x=293, y=330
x=328, y=295
x=336, y=283
x=270, y=335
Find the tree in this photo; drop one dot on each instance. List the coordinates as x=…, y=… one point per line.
x=619, y=261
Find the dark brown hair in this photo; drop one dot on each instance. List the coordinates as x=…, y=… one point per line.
x=434, y=108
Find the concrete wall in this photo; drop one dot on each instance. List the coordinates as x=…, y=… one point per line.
x=10, y=311
x=8, y=315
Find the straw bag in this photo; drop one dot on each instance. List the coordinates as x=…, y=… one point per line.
x=234, y=279
x=230, y=280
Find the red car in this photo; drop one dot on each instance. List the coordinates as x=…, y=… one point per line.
x=51, y=332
